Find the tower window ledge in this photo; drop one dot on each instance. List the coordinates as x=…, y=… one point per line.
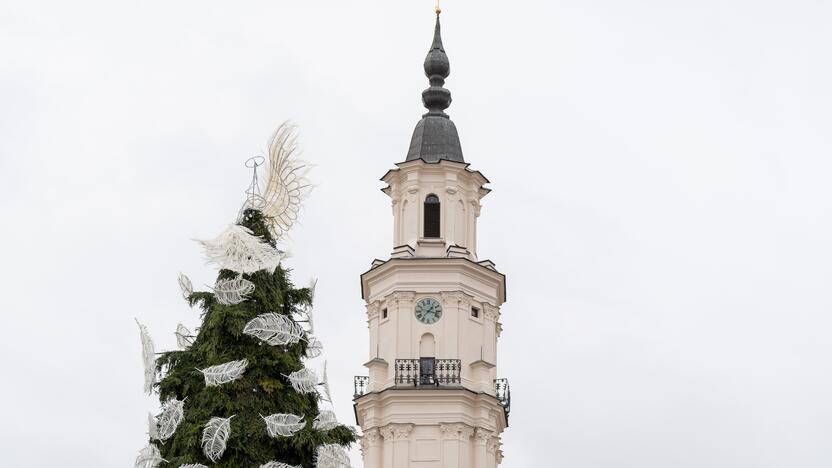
x=402, y=251
x=483, y=363
x=431, y=240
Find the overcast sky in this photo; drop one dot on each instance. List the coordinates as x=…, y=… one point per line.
x=661, y=207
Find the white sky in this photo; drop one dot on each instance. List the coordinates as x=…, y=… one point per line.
x=661, y=206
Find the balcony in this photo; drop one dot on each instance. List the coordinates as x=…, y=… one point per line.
x=361, y=383
x=428, y=372
x=503, y=393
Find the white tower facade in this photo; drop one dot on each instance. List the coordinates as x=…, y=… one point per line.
x=432, y=397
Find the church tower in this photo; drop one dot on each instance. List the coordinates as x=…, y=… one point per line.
x=432, y=398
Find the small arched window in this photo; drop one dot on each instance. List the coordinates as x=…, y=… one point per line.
x=432, y=216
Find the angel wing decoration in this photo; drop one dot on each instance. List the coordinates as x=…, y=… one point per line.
x=325, y=421
x=274, y=464
x=214, y=437
x=224, y=373
x=284, y=182
x=303, y=381
x=282, y=424
x=186, y=286
x=184, y=338
x=172, y=415
x=149, y=457
x=274, y=329
x=149, y=359
x=332, y=456
x=233, y=291
x=238, y=249
x=314, y=348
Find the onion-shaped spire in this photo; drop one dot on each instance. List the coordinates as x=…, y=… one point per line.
x=437, y=68
x=435, y=137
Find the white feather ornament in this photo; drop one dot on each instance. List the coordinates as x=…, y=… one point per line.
x=284, y=183
x=215, y=436
x=332, y=456
x=224, y=373
x=149, y=457
x=193, y=465
x=172, y=414
x=149, y=359
x=233, y=291
x=152, y=427
x=186, y=286
x=274, y=464
x=274, y=329
x=303, y=381
x=325, y=421
x=238, y=249
x=324, y=390
x=184, y=338
x=282, y=424
x=314, y=348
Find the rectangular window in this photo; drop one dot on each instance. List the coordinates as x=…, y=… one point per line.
x=475, y=312
x=384, y=314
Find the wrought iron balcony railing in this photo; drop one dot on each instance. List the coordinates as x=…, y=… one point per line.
x=428, y=372
x=503, y=393
x=361, y=383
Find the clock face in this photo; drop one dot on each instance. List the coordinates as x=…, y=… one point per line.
x=428, y=311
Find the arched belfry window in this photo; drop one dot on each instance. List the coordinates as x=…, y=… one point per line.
x=432, y=216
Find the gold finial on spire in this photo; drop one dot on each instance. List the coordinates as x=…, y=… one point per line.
x=438, y=9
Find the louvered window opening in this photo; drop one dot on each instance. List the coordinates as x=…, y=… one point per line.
x=431, y=216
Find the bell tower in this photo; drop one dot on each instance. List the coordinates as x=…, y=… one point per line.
x=432, y=398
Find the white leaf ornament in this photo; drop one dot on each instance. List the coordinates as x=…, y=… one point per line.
x=193, y=465
x=233, y=291
x=325, y=421
x=274, y=329
x=172, y=415
x=224, y=373
x=332, y=456
x=274, y=464
x=152, y=427
x=215, y=437
x=184, y=338
x=282, y=424
x=186, y=286
x=303, y=381
x=314, y=348
x=238, y=249
x=149, y=359
x=149, y=457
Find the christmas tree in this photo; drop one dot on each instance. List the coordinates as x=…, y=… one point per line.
x=239, y=394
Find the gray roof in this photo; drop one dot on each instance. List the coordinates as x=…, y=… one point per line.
x=435, y=137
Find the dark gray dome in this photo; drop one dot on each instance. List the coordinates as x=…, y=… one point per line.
x=435, y=137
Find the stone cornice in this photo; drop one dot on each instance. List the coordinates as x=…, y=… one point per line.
x=475, y=409
x=465, y=267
